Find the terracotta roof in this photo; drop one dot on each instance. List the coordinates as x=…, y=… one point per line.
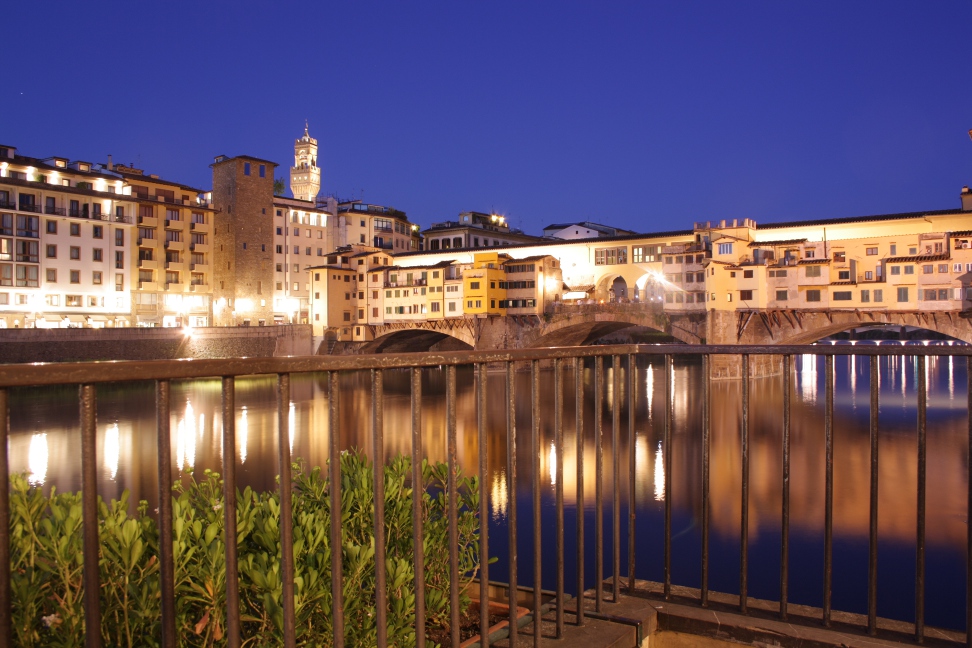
x=813, y=261
x=843, y=283
x=777, y=243
x=917, y=259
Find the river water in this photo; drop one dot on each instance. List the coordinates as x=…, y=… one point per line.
x=45, y=445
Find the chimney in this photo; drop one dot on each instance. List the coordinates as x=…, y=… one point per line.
x=111, y=165
x=966, y=199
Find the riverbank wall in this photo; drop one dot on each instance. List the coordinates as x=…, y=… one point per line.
x=74, y=345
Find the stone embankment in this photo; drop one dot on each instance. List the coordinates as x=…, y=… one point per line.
x=68, y=345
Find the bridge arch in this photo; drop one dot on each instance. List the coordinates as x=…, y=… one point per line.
x=580, y=326
x=407, y=340
x=810, y=327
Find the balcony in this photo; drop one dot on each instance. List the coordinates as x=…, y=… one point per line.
x=54, y=211
x=148, y=286
x=148, y=221
x=6, y=204
x=175, y=245
x=30, y=208
x=200, y=247
x=148, y=264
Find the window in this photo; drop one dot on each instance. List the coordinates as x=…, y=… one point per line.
x=813, y=295
x=927, y=269
x=895, y=270
x=75, y=253
x=72, y=300
x=912, y=251
x=842, y=295
x=263, y=171
x=51, y=227
x=452, y=307
x=879, y=295
x=120, y=238
x=725, y=248
x=781, y=295
x=75, y=229
x=956, y=267
x=75, y=276
x=744, y=295
x=943, y=268
x=865, y=296
x=246, y=168
x=96, y=254
x=840, y=257
x=51, y=251
x=871, y=251
x=96, y=278
x=894, y=251
x=119, y=259
x=843, y=275
x=51, y=275
x=473, y=285
x=813, y=271
x=611, y=256
x=868, y=275
x=902, y=295
x=809, y=254
x=909, y=270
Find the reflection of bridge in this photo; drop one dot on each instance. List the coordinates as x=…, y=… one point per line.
x=583, y=324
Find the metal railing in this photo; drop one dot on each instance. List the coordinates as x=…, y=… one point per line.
x=88, y=375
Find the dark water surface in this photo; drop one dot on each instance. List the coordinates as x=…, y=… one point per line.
x=45, y=444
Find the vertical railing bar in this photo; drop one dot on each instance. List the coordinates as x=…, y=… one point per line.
x=89, y=515
x=968, y=508
x=535, y=451
x=166, y=558
x=418, y=492
x=6, y=596
x=632, y=469
x=579, y=432
x=873, y=504
x=453, y=503
x=616, y=478
x=334, y=485
x=378, y=441
x=785, y=514
x=920, y=523
x=828, y=489
x=744, y=515
x=229, y=513
x=598, y=483
x=286, y=510
x=559, y=487
x=667, y=463
x=706, y=436
x=511, y=506
x=481, y=376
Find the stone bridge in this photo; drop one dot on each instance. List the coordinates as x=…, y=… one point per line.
x=577, y=325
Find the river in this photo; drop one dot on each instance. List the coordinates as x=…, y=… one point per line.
x=45, y=444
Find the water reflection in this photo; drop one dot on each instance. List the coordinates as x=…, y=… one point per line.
x=37, y=458
x=45, y=445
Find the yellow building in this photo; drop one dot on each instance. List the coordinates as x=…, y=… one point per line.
x=484, y=285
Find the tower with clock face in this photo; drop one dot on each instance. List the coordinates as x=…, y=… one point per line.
x=305, y=175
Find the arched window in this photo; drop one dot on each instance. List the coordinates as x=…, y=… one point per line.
x=457, y=242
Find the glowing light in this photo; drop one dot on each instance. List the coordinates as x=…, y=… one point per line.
x=112, y=448
x=499, y=496
x=244, y=305
x=242, y=430
x=37, y=459
x=552, y=464
x=292, y=424
x=808, y=377
x=186, y=440
x=659, y=474
x=650, y=388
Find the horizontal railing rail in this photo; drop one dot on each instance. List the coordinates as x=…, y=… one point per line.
x=162, y=372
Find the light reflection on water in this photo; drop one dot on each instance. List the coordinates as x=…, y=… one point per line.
x=44, y=444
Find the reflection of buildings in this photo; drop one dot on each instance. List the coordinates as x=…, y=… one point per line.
x=127, y=440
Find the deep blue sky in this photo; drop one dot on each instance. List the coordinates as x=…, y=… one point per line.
x=647, y=115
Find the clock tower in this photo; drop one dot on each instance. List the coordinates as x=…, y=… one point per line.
x=305, y=175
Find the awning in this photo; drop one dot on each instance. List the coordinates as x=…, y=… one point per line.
x=581, y=288
x=143, y=318
x=76, y=319
x=97, y=318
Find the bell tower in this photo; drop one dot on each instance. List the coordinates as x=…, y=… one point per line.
x=305, y=175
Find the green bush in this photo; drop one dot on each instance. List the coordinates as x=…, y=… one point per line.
x=46, y=560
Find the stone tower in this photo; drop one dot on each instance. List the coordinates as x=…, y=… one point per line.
x=305, y=175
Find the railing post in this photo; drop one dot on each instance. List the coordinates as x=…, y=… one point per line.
x=418, y=493
x=744, y=516
x=229, y=513
x=89, y=516
x=511, y=488
x=166, y=559
x=378, y=441
x=6, y=602
x=334, y=490
x=286, y=509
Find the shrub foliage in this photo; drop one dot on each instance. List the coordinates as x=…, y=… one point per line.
x=46, y=560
